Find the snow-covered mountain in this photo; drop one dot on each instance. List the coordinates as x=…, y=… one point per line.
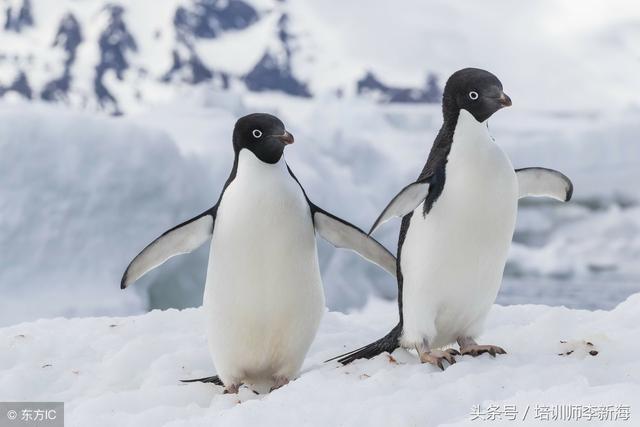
x=105, y=55
x=124, y=56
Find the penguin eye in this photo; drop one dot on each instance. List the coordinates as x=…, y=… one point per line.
x=256, y=133
x=473, y=95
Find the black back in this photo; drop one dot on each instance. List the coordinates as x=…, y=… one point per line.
x=458, y=95
x=480, y=93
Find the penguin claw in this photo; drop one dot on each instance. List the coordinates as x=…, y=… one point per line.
x=449, y=355
x=232, y=389
x=436, y=357
x=279, y=382
x=476, y=350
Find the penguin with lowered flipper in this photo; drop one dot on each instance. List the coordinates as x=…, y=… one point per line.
x=263, y=297
x=458, y=220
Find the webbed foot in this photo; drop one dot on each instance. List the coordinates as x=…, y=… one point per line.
x=477, y=350
x=232, y=389
x=468, y=346
x=436, y=357
x=279, y=382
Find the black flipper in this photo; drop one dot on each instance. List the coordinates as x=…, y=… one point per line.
x=214, y=380
x=181, y=239
x=388, y=343
x=404, y=202
x=543, y=182
x=343, y=234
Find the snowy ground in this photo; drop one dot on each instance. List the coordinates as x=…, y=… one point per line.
x=125, y=371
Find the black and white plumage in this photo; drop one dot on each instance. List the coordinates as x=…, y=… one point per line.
x=263, y=296
x=458, y=220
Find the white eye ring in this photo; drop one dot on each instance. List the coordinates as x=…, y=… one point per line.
x=257, y=133
x=473, y=95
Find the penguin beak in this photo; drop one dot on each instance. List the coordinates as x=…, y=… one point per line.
x=504, y=100
x=286, y=138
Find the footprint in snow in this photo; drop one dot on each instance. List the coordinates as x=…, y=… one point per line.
x=579, y=348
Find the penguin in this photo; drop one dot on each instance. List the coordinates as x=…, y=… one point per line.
x=458, y=219
x=263, y=298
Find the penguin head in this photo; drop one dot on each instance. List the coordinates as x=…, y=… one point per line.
x=262, y=134
x=475, y=90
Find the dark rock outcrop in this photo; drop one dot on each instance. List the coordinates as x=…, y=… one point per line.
x=68, y=38
x=274, y=72
x=371, y=85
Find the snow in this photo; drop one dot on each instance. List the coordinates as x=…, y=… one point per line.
x=607, y=240
x=77, y=191
x=125, y=371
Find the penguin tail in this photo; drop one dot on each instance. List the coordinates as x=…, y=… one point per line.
x=388, y=343
x=214, y=380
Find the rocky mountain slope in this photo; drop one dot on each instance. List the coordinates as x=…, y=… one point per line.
x=115, y=56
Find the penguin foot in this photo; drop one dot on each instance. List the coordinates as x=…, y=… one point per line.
x=232, y=389
x=279, y=382
x=469, y=346
x=436, y=357
x=476, y=350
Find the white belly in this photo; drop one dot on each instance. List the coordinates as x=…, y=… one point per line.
x=263, y=295
x=452, y=261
